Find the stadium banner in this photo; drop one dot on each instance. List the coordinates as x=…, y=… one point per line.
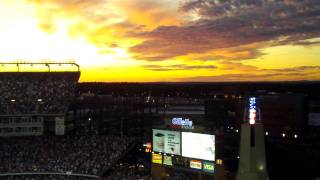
x=208, y=166
x=166, y=141
x=167, y=160
x=59, y=125
x=199, y=146
x=157, y=158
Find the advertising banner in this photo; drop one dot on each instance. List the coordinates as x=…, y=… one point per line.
x=60, y=126
x=199, y=146
x=157, y=158
x=166, y=141
x=208, y=167
x=167, y=160
x=195, y=164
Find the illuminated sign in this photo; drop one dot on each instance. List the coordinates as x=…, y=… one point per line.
x=157, y=158
x=167, y=160
x=147, y=145
x=147, y=150
x=208, y=167
x=219, y=161
x=184, y=123
x=195, y=164
x=252, y=110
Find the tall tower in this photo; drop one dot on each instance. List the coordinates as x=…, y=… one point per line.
x=252, y=163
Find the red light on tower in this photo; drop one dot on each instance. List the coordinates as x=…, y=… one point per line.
x=252, y=116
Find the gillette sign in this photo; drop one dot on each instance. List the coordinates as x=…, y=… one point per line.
x=184, y=123
x=252, y=110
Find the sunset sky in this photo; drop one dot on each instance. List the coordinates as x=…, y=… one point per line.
x=167, y=40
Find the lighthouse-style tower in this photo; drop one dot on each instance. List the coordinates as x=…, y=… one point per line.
x=252, y=163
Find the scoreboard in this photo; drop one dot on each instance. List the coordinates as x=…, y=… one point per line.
x=187, y=150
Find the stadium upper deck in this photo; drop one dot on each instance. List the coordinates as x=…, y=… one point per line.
x=36, y=90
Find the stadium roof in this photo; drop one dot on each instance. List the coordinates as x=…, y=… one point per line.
x=38, y=66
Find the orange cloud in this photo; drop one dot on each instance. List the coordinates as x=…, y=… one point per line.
x=232, y=24
x=151, y=14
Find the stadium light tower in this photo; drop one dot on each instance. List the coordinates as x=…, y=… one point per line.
x=252, y=163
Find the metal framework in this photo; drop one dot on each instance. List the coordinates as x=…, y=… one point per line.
x=48, y=64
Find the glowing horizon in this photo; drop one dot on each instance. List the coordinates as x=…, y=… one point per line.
x=153, y=41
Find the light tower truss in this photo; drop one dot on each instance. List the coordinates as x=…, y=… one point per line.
x=47, y=64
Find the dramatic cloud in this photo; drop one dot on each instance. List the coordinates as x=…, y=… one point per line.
x=184, y=40
x=105, y=22
x=176, y=67
x=230, y=24
x=256, y=74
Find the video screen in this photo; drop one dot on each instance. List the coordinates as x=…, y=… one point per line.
x=199, y=146
x=166, y=141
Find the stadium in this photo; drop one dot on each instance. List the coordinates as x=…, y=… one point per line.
x=36, y=142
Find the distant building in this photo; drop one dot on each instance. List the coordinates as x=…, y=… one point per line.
x=284, y=112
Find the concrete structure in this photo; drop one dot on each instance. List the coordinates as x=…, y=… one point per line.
x=252, y=163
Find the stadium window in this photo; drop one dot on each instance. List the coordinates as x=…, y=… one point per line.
x=8, y=130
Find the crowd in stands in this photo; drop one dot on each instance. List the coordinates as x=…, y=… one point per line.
x=46, y=176
x=128, y=172
x=180, y=176
x=91, y=155
x=28, y=93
